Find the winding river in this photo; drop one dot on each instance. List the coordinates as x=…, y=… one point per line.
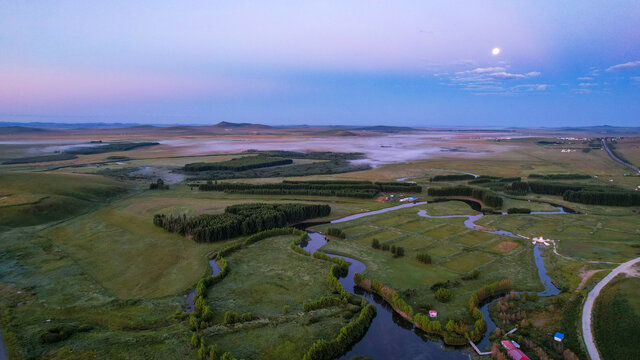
x=390, y=336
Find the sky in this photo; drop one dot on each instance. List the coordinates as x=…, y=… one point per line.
x=409, y=63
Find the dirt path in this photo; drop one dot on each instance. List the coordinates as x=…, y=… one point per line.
x=587, y=310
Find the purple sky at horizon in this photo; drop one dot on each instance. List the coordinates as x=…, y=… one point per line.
x=412, y=63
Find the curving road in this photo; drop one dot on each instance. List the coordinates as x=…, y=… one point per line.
x=587, y=310
x=615, y=158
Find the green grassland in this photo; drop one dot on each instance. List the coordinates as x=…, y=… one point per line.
x=264, y=278
x=615, y=319
x=31, y=199
x=81, y=251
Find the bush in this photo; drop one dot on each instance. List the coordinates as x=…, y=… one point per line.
x=56, y=334
x=443, y=295
x=424, y=258
x=385, y=246
x=375, y=243
x=471, y=275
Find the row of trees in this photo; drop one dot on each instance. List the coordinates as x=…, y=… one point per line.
x=587, y=194
x=239, y=220
x=323, y=302
x=456, y=177
x=349, y=334
x=238, y=164
x=559, y=176
x=360, y=189
x=518, y=211
x=232, y=317
x=488, y=197
x=611, y=198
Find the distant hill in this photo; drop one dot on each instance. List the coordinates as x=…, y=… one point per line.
x=50, y=125
x=16, y=130
x=230, y=125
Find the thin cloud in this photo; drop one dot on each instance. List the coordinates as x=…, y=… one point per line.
x=625, y=66
x=585, y=78
x=530, y=87
x=492, y=79
x=587, y=84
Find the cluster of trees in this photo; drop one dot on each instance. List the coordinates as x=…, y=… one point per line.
x=423, y=257
x=323, y=302
x=336, y=232
x=239, y=220
x=232, y=317
x=456, y=177
x=518, y=211
x=397, y=251
x=443, y=295
x=559, y=176
x=488, y=197
x=158, y=185
x=238, y=164
x=349, y=334
x=359, y=189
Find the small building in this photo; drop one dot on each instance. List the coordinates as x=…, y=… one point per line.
x=433, y=313
x=517, y=354
x=558, y=337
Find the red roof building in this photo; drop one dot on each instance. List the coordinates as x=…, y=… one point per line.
x=517, y=354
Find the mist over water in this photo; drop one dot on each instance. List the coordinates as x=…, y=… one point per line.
x=378, y=150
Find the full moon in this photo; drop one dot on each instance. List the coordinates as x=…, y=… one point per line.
x=495, y=51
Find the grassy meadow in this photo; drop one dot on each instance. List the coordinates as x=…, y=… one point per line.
x=79, y=251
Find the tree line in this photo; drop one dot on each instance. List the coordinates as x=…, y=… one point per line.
x=587, y=194
x=238, y=164
x=359, y=189
x=559, y=176
x=488, y=197
x=239, y=220
x=456, y=177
